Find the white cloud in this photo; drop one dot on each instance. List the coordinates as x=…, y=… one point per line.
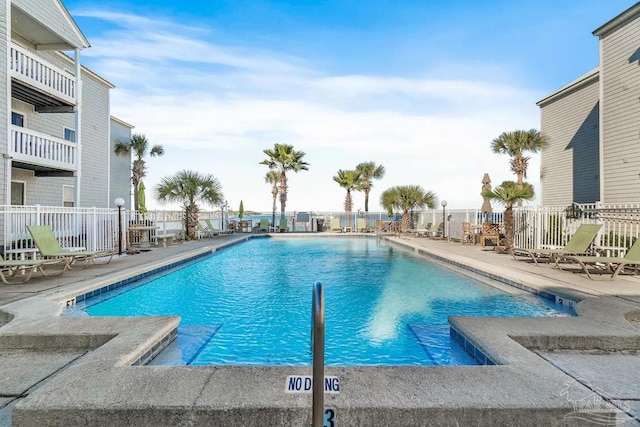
x=215, y=108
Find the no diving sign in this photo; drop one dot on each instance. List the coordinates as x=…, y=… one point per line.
x=304, y=384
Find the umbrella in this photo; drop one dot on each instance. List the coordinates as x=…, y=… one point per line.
x=486, y=186
x=142, y=204
x=241, y=210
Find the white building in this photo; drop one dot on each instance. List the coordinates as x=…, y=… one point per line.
x=58, y=133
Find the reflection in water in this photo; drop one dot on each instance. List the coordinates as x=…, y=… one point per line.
x=403, y=294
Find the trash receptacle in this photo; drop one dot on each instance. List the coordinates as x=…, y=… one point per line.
x=319, y=224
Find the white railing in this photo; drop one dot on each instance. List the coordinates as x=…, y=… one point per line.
x=535, y=227
x=89, y=228
x=37, y=72
x=38, y=148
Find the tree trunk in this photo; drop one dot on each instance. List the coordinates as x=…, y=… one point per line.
x=191, y=221
x=135, y=197
x=406, y=221
x=520, y=181
x=274, y=192
x=366, y=200
x=347, y=207
x=283, y=194
x=519, y=167
x=508, y=230
x=135, y=183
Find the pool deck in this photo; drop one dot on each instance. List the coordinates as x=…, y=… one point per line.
x=548, y=371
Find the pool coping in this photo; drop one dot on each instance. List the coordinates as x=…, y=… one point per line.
x=246, y=394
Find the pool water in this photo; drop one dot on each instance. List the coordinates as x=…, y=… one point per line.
x=250, y=304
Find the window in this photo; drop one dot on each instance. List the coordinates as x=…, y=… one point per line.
x=69, y=134
x=67, y=196
x=17, y=193
x=17, y=119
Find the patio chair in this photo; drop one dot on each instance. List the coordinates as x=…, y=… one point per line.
x=467, y=233
x=490, y=231
x=24, y=268
x=437, y=230
x=361, y=225
x=335, y=225
x=264, y=225
x=49, y=247
x=283, y=225
x=632, y=258
x=577, y=244
x=213, y=230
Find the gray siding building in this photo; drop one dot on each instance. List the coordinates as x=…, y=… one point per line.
x=56, y=138
x=593, y=124
x=120, y=166
x=569, y=166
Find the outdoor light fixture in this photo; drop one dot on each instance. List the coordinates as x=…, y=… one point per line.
x=225, y=207
x=273, y=217
x=119, y=202
x=444, y=205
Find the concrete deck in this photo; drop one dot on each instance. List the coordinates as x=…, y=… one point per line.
x=549, y=371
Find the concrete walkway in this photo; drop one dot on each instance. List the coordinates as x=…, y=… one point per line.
x=539, y=355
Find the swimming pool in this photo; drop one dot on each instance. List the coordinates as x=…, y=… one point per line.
x=251, y=304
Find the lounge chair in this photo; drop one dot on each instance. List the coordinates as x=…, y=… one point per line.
x=23, y=269
x=577, y=244
x=632, y=258
x=424, y=231
x=436, y=230
x=361, y=225
x=335, y=225
x=264, y=225
x=203, y=232
x=210, y=226
x=49, y=247
x=283, y=225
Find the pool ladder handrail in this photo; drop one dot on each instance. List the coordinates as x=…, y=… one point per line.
x=317, y=356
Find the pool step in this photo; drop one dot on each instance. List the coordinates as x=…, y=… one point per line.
x=191, y=341
x=441, y=349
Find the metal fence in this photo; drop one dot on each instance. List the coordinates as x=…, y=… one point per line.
x=535, y=227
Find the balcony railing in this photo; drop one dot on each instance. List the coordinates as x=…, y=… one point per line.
x=36, y=72
x=41, y=149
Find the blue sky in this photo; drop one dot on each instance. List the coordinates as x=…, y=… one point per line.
x=421, y=87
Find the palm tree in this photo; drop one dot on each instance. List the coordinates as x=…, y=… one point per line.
x=368, y=172
x=140, y=147
x=273, y=177
x=507, y=194
x=188, y=188
x=516, y=144
x=388, y=199
x=284, y=158
x=407, y=198
x=349, y=180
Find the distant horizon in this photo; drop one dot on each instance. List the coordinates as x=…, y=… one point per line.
x=420, y=87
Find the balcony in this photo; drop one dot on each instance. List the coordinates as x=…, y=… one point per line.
x=42, y=153
x=36, y=81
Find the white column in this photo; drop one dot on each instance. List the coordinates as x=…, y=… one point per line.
x=78, y=125
x=601, y=118
x=7, y=165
